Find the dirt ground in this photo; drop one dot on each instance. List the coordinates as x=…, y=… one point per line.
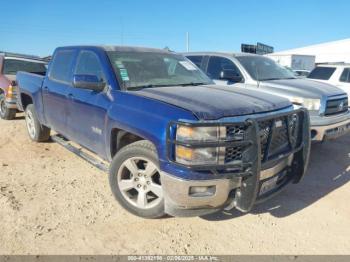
x=52, y=202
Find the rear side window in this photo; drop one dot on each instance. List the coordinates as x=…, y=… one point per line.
x=345, y=76
x=218, y=64
x=61, y=66
x=89, y=64
x=12, y=66
x=197, y=60
x=322, y=73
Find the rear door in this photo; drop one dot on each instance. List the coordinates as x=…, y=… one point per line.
x=87, y=109
x=54, y=90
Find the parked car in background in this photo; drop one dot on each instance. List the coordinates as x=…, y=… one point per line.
x=177, y=143
x=327, y=104
x=300, y=63
x=10, y=64
x=337, y=74
x=301, y=73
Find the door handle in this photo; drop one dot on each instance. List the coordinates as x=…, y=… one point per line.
x=46, y=89
x=70, y=96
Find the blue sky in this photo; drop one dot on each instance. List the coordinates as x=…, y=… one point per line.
x=38, y=26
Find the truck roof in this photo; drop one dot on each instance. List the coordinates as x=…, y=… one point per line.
x=119, y=48
x=221, y=54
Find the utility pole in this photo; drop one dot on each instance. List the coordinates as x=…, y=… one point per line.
x=187, y=41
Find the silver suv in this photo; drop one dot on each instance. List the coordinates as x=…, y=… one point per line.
x=327, y=104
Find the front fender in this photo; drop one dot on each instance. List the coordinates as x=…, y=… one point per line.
x=144, y=117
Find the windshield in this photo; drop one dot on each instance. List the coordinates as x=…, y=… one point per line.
x=12, y=66
x=261, y=68
x=151, y=69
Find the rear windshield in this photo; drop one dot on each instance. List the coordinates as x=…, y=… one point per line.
x=322, y=73
x=12, y=66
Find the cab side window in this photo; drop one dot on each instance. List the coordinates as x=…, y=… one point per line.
x=89, y=64
x=197, y=60
x=218, y=64
x=62, y=64
x=345, y=76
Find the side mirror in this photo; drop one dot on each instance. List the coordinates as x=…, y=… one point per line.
x=230, y=75
x=90, y=82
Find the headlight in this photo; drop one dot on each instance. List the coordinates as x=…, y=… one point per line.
x=308, y=103
x=199, y=134
x=202, y=155
x=197, y=156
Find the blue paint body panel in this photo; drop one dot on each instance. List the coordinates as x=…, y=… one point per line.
x=89, y=118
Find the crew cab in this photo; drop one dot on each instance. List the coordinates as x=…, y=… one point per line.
x=177, y=144
x=10, y=64
x=327, y=104
x=337, y=74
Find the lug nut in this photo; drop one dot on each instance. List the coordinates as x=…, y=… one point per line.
x=148, y=182
x=138, y=185
x=136, y=179
x=145, y=187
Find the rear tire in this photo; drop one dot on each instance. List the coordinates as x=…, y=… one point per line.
x=5, y=112
x=135, y=180
x=37, y=132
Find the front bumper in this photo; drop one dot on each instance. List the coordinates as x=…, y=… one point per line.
x=242, y=189
x=221, y=193
x=331, y=127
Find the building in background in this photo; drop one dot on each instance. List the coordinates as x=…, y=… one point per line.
x=329, y=52
x=259, y=48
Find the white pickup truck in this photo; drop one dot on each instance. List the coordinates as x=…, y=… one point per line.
x=337, y=74
x=327, y=104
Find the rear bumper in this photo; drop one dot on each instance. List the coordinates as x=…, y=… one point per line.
x=326, y=128
x=11, y=103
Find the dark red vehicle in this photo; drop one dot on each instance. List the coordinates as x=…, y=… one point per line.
x=10, y=63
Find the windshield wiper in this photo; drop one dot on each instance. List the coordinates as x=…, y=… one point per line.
x=193, y=84
x=276, y=78
x=141, y=87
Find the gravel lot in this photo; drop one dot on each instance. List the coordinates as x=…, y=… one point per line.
x=52, y=202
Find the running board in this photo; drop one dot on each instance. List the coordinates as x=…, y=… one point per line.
x=80, y=153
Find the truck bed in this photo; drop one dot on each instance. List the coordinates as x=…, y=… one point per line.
x=28, y=83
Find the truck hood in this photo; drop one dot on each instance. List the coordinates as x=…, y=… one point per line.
x=210, y=102
x=301, y=88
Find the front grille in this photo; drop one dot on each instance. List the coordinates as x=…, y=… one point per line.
x=277, y=136
x=233, y=154
x=235, y=132
x=336, y=106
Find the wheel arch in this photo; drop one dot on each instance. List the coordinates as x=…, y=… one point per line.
x=26, y=100
x=120, y=138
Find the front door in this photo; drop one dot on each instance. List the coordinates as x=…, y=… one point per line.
x=87, y=109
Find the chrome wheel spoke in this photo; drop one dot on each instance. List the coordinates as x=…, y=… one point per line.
x=131, y=166
x=142, y=199
x=126, y=184
x=151, y=169
x=156, y=189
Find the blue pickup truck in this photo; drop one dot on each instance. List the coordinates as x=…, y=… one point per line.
x=176, y=143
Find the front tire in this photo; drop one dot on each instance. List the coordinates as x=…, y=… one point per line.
x=37, y=132
x=5, y=112
x=135, y=180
